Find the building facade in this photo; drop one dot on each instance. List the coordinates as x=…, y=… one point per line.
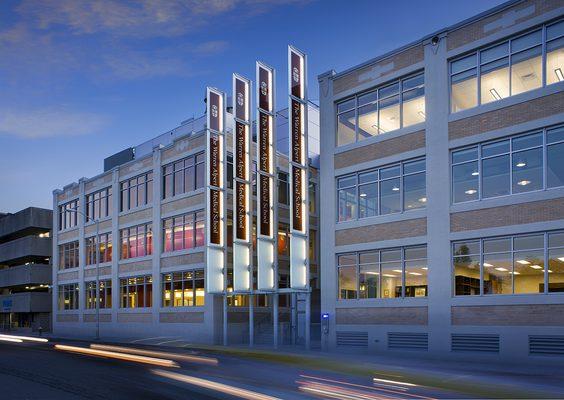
x=150, y=208
x=444, y=163
x=25, y=270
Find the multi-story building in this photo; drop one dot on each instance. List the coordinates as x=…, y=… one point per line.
x=444, y=163
x=149, y=205
x=25, y=269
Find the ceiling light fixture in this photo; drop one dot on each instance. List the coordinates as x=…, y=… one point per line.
x=561, y=259
x=521, y=164
x=487, y=265
x=363, y=195
x=424, y=268
x=515, y=273
x=422, y=114
x=535, y=266
x=524, y=182
x=415, y=273
x=395, y=188
x=423, y=199
x=502, y=269
x=523, y=262
x=475, y=173
x=471, y=191
x=559, y=74
x=495, y=94
x=550, y=271
x=389, y=276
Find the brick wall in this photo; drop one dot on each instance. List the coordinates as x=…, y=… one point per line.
x=379, y=232
x=382, y=316
x=382, y=68
x=385, y=148
x=509, y=315
x=515, y=214
x=516, y=114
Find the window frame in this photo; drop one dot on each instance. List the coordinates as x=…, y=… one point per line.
x=376, y=90
x=402, y=175
x=147, y=281
x=510, y=53
x=171, y=282
x=146, y=185
x=198, y=161
x=544, y=162
x=546, y=251
x=95, y=204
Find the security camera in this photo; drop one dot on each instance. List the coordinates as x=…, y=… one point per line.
x=435, y=40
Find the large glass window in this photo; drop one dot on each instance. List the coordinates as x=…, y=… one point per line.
x=509, y=265
x=68, y=255
x=136, y=292
x=387, y=273
x=183, y=231
x=105, y=294
x=68, y=297
x=508, y=68
x=105, y=249
x=385, y=190
x=183, y=289
x=396, y=105
x=99, y=204
x=136, y=241
x=136, y=192
x=509, y=166
x=68, y=216
x=184, y=175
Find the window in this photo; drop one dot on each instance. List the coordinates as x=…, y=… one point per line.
x=105, y=294
x=391, y=107
x=509, y=166
x=283, y=239
x=508, y=68
x=99, y=204
x=68, y=217
x=136, y=192
x=387, y=273
x=136, y=292
x=183, y=289
x=184, y=175
x=283, y=188
x=509, y=265
x=386, y=190
x=136, y=241
x=68, y=255
x=105, y=249
x=68, y=297
x=183, y=231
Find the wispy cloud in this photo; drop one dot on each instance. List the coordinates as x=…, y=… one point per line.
x=49, y=122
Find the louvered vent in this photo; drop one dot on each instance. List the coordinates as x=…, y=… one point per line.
x=408, y=341
x=483, y=343
x=352, y=339
x=546, y=345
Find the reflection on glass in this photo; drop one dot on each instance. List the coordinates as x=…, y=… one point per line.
x=369, y=281
x=414, y=191
x=390, y=196
x=465, y=181
x=347, y=282
x=466, y=275
x=416, y=278
x=556, y=270
x=495, y=176
x=555, y=61
x=527, y=170
x=346, y=128
x=391, y=280
x=367, y=121
x=555, y=165
x=526, y=70
x=528, y=271
x=498, y=273
x=368, y=199
x=494, y=81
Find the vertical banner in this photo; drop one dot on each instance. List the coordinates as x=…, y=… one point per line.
x=299, y=173
x=215, y=192
x=242, y=217
x=266, y=188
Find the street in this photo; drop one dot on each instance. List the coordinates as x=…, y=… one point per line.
x=31, y=370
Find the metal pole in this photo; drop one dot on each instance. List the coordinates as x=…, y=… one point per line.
x=97, y=279
x=251, y=321
x=293, y=319
x=275, y=318
x=308, y=321
x=225, y=318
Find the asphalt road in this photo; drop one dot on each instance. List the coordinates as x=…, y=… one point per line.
x=39, y=371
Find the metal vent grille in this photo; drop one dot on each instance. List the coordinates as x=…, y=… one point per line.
x=408, y=341
x=547, y=345
x=352, y=339
x=483, y=343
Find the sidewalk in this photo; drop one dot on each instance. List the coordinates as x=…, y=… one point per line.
x=475, y=379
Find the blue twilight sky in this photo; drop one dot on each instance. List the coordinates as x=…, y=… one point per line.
x=82, y=80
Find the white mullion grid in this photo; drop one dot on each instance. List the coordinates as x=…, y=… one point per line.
x=544, y=159
x=481, y=258
x=513, y=263
x=357, y=265
x=402, y=208
x=546, y=263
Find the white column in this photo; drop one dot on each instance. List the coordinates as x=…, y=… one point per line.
x=116, y=246
x=157, y=232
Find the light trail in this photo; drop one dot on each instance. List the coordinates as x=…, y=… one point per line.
x=333, y=388
x=394, y=382
x=5, y=339
x=118, y=356
x=218, y=387
x=158, y=354
x=24, y=338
